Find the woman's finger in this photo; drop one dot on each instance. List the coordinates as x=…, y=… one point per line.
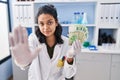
x=15, y=36
x=11, y=41
x=20, y=34
x=78, y=44
x=36, y=51
x=25, y=36
x=74, y=45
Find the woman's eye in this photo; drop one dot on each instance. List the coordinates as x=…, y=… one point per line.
x=50, y=23
x=41, y=24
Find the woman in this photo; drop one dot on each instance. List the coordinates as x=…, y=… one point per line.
x=46, y=52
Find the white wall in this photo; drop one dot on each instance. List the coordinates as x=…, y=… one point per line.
x=5, y=67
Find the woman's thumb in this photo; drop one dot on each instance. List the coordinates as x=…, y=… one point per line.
x=36, y=52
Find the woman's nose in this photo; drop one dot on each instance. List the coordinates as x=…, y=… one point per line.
x=46, y=26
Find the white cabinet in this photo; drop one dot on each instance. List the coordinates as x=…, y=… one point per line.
x=108, y=23
x=115, y=67
x=98, y=66
x=23, y=14
x=93, y=66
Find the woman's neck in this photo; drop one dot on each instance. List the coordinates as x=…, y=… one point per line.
x=50, y=41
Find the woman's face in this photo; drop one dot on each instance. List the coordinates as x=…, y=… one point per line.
x=47, y=24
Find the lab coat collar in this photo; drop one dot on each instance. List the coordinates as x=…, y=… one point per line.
x=57, y=51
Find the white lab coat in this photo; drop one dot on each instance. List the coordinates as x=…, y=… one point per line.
x=44, y=68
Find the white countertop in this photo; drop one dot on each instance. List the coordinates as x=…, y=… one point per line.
x=104, y=51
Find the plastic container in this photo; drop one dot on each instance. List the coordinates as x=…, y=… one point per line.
x=84, y=20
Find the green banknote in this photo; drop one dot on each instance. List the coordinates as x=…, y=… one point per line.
x=77, y=32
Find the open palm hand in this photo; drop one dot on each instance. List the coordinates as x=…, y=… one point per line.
x=19, y=47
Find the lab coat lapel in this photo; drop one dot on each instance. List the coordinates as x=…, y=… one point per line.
x=57, y=51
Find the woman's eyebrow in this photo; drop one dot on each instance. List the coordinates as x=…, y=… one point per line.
x=50, y=20
x=47, y=21
x=40, y=22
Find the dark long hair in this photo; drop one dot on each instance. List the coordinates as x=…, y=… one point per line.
x=48, y=9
